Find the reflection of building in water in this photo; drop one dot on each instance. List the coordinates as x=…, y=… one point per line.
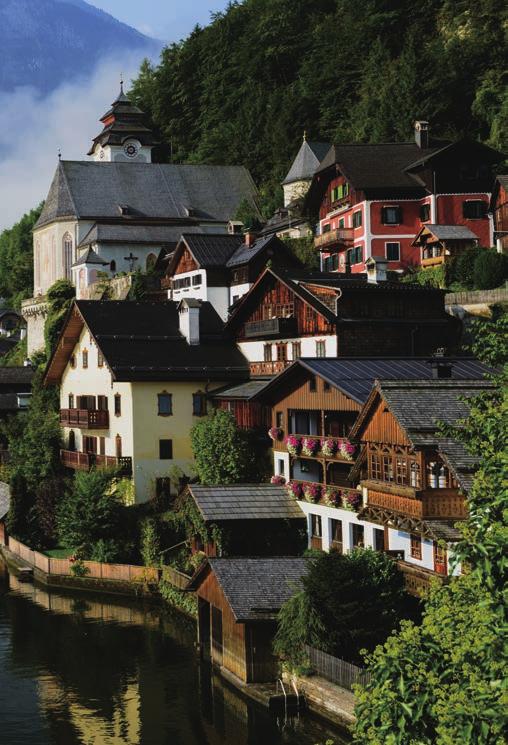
x=89, y=725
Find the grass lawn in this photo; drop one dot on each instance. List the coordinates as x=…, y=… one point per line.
x=59, y=553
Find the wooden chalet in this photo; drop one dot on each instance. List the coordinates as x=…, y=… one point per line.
x=238, y=603
x=441, y=243
x=253, y=519
x=416, y=479
x=499, y=210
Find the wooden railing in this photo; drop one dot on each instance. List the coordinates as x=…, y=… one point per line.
x=339, y=235
x=438, y=505
x=85, y=418
x=79, y=461
x=270, y=327
x=344, y=491
x=433, y=261
x=336, y=670
x=417, y=580
x=269, y=368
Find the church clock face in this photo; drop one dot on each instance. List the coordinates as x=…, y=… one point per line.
x=131, y=149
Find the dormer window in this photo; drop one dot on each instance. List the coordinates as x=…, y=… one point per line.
x=124, y=209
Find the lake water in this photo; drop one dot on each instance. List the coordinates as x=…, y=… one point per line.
x=88, y=670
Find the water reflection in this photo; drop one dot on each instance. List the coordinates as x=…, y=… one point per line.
x=83, y=670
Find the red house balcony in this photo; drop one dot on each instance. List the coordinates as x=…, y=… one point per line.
x=85, y=418
x=80, y=461
x=334, y=238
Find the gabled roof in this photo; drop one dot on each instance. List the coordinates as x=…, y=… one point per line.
x=142, y=341
x=90, y=257
x=461, y=463
x=245, y=254
x=356, y=376
x=184, y=194
x=244, y=502
x=446, y=233
x=307, y=161
x=208, y=249
x=245, y=391
x=420, y=405
x=255, y=588
x=158, y=235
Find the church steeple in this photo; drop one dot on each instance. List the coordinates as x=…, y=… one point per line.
x=125, y=136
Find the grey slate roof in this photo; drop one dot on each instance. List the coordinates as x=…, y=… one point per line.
x=451, y=232
x=248, y=390
x=244, y=502
x=244, y=253
x=212, y=249
x=5, y=499
x=16, y=378
x=142, y=341
x=307, y=161
x=90, y=257
x=418, y=405
x=129, y=233
x=190, y=193
x=256, y=589
x=442, y=530
x=461, y=463
x=356, y=376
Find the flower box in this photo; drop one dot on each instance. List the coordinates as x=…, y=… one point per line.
x=352, y=501
x=275, y=433
x=310, y=446
x=333, y=497
x=312, y=492
x=294, y=489
x=346, y=450
x=278, y=480
x=293, y=445
x=328, y=447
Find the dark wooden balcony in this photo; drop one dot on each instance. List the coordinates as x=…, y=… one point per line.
x=339, y=236
x=270, y=327
x=79, y=461
x=269, y=368
x=346, y=494
x=417, y=581
x=441, y=503
x=85, y=418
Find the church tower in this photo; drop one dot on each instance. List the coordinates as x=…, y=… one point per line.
x=125, y=137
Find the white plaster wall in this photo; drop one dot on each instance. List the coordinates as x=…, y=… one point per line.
x=48, y=253
x=348, y=518
x=398, y=540
x=219, y=298
x=254, y=350
x=284, y=457
x=118, y=253
x=237, y=291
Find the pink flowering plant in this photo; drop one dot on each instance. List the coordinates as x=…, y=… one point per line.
x=294, y=489
x=312, y=492
x=280, y=480
x=333, y=497
x=352, y=501
x=293, y=444
x=346, y=450
x=310, y=445
x=328, y=447
x=275, y=433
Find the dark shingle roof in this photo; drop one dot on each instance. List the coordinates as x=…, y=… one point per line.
x=247, y=390
x=142, y=341
x=451, y=232
x=256, y=589
x=461, y=463
x=244, y=253
x=212, y=249
x=90, y=257
x=442, y=530
x=355, y=377
x=156, y=234
x=244, y=502
x=16, y=377
x=86, y=189
x=307, y=161
x=419, y=405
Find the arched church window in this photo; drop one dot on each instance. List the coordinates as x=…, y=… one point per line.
x=151, y=260
x=67, y=255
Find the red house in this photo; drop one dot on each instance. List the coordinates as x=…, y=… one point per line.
x=499, y=210
x=373, y=200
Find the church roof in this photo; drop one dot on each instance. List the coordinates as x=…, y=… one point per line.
x=90, y=257
x=307, y=161
x=150, y=234
x=122, y=121
x=184, y=194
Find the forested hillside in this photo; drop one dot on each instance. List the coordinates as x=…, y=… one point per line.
x=16, y=260
x=244, y=89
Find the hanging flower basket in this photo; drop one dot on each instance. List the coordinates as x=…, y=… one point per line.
x=346, y=450
x=310, y=446
x=294, y=489
x=352, y=501
x=275, y=433
x=293, y=444
x=280, y=480
x=333, y=497
x=328, y=447
x=312, y=492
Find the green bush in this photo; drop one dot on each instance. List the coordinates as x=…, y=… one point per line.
x=490, y=269
x=464, y=271
x=150, y=543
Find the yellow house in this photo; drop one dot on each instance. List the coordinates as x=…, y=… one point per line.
x=134, y=378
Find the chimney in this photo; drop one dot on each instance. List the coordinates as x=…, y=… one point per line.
x=249, y=238
x=422, y=134
x=441, y=367
x=188, y=317
x=376, y=270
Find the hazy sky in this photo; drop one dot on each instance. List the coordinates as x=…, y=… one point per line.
x=168, y=20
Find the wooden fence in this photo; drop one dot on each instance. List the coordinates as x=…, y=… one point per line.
x=96, y=570
x=176, y=578
x=335, y=670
